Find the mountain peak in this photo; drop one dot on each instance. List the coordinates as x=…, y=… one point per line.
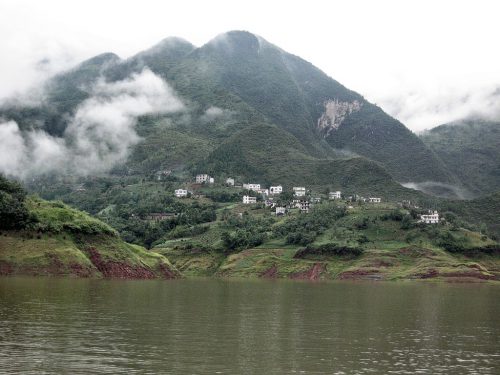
x=236, y=40
x=171, y=42
x=102, y=59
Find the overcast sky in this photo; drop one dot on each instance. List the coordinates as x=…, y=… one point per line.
x=424, y=62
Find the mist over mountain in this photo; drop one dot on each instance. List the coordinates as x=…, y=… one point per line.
x=230, y=94
x=470, y=150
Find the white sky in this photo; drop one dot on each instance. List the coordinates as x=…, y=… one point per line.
x=424, y=62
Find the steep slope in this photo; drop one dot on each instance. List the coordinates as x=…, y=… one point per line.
x=271, y=155
x=469, y=149
x=304, y=101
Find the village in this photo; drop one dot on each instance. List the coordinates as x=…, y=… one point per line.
x=299, y=197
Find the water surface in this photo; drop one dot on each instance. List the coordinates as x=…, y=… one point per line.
x=74, y=326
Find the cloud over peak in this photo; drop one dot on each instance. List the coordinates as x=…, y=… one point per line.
x=98, y=136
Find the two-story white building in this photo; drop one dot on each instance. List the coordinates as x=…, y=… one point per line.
x=230, y=181
x=249, y=200
x=253, y=187
x=431, y=218
x=274, y=190
x=204, y=178
x=304, y=206
x=299, y=191
x=181, y=193
x=374, y=200
x=335, y=195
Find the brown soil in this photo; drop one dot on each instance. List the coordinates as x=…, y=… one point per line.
x=312, y=273
x=167, y=273
x=119, y=270
x=360, y=274
x=5, y=268
x=429, y=274
x=270, y=273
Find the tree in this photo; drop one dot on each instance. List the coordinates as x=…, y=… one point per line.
x=13, y=211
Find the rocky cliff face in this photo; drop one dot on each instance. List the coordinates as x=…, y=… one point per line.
x=335, y=113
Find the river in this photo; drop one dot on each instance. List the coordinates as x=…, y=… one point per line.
x=210, y=326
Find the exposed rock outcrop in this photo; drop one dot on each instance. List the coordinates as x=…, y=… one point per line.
x=335, y=113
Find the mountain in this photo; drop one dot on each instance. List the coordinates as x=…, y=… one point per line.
x=469, y=150
x=296, y=96
x=253, y=82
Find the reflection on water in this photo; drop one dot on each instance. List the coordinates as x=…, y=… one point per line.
x=247, y=327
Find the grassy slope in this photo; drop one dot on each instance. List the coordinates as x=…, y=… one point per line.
x=390, y=253
x=69, y=242
x=485, y=210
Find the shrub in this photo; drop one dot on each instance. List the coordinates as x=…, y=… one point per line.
x=329, y=249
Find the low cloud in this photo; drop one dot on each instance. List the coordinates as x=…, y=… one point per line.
x=214, y=113
x=98, y=136
x=428, y=105
x=439, y=189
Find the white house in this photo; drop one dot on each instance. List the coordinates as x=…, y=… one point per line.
x=431, y=218
x=299, y=191
x=335, y=195
x=249, y=200
x=180, y=193
x=204, y=178
x=253, y=187
x=276, y=190
x=304, y=206
x=230, y=181
x=280, y=211
x=374, y=200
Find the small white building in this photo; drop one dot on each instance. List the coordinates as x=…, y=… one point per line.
x=274, y=190
x=335, y=195
x=181, y=193
x=204, y=178
x=431, y=218
x=280, y=211
x=304, y=206
x=230, y=181
x=374, y=200
x=253, y=187
x=299, y=191
x=249, y=200
x=160, y=175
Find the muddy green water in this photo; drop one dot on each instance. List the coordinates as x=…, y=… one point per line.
x=69, y=326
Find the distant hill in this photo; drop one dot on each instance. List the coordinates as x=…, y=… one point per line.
x=470, y=151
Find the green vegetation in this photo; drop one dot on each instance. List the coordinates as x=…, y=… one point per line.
x=375, y=241
x=470, y=151
x=13, y=211
x=50, y=238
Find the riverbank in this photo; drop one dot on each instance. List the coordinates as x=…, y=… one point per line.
x=406, y=263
